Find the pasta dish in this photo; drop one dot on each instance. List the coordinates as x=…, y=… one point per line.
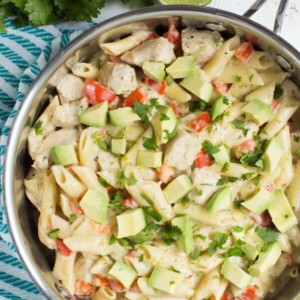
x=165, y=167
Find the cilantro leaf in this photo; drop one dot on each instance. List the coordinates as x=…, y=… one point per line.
x=218, y=241
x=39, y=11
x=195, y=253
x=237, y=203
x=234, y=251
x=147, y=234
x=267, y=234
x=144, y=110
x=147, y=198
x=99, y=141
x=170, y=233
x=149, y=143
x=237, y=78
x=198, y=105
x=209, y=148
x=237, y=228
x=278, y=92
x=240, y=124
x=164, y=117
x=38, y=128
x=53, y=234
x=123, y=179
x=116, y=202
x=148, y=210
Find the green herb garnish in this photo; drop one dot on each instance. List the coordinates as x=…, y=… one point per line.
x=267, y=234
x=195, y=253
x=170, y=233
x=218, y=241
x=38, y=128
x=53, y=234
x=209, y=148
x=149, y=143
x=278, y=92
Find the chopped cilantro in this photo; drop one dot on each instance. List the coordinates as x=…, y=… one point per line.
x=123, y=179
x=225, y=100
x=240, y=124
x=237, y=78
x=209, y=148
x=251, y=158
x=200, y=236
x=297, y=152
x=116, y=202
x=218, y=241
x=172, y=282
x=278, y=92
x=257, y=180
x=247, y=176
x=98, y=139
x=237, y=203
x=147, y=234
x=296, y=138
x=148, y=210
x=237, y=228
x=149, y=143
x=170, y=233
x=38, y=128
x=251, y=77
x=195, y=253
x=103, y=182
x=141, y=258
x=147, y=198
x=264, y=247
x=53, y=234
x=73, y=217
x=225, y=167
x=170, y=135
x=240, y=242
x=198, y=105
x=169, y=80
x=226, y=179
x=112, y=239
x=267, y=234
x=131, y=180
x=164, y=117
x=144, y=110
x=234, y=251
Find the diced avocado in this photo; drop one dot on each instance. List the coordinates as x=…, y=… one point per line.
x=266, y=260
x=178, y=188
x=282, y=213
x=250, y=251
x=185, y=242
x=118, y=146
x=115, y=132
x=258, y=111
x=123, y=273
x=154, y=70
x=175, y=92
x=219, y=107
x=182, y=66
x=64, y=155
x=149, y=159
x=272, y=155
x=131, y=222
x=196, y=84
x=238, y=235
x=122, y=116
x=94, y=205
x=165, y=280
x=259, y=202
x=235, y=274
x=220, y=200
x=133, y=132
x=163, y=122
x=222, y=156
x=95, y=116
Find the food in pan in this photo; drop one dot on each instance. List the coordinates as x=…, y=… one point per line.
x=165, y=167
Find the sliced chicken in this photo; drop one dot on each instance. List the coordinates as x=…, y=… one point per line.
x=70, y=88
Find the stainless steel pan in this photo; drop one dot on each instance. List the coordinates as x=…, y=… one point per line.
x=22, y=216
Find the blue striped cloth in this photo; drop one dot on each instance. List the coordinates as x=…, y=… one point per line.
x=23, y=53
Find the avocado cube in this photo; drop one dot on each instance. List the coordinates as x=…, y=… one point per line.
x=197, y=84
x=221, y=157
x=176, y=93
x=131, y=222
x=282, y=213
x=258, y=111
x=64, y=155
x=259, y=202
x=133, y=132
x=165, y=280
x=163, y=121
x=272, y=155
x=219, y=107
x=266, y=260
x=155, y=70
x=182, y=66
x=123, y=273
x=185, y=242
x=123, y=116
x=94, y=205
x=149, y=159
x=220, y=200
x=235, y=274
x=178, y=188
x=250, y=251
x=118, y=146
x=95, y=116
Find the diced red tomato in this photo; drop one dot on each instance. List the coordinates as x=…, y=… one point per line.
x=243, y=148
x=202, y=160
x=244, y=51
x=249, y=294
x=115, y=58
x=264, y=219
x=83, y=288
x=74, y=205
x=135, y=288
x=200, y=122
x=275, y=104
x=174, y=37
x=99, y=280
x=129, y=202
x=165, y=173
x=151, y=36
x=175, y=109
x=220, y=87
x=116, y=286
x=136, y=95
x=224, y=297
x=96, y=93
x=132, y=254
x=159, y=87
x=62, y=248
x=101, y=228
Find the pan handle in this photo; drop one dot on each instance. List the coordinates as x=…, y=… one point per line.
x=280, y=13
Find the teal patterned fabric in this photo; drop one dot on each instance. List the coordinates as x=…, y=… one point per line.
x=23, y=53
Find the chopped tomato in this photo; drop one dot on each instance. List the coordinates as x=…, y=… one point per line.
x=264, y=219
x=74, y=205
x=116, y=286
x=135, y=288
x=249, y=294
x=99, y=280
x=224, y=297
x=101, y=228
x=243, y=148
x=159, y=87
x=62, y=248
x=102, y=132
x=151, y=36
x=165, y=173
x=136, y=95
x=83, y=288
x=270, y=186
x=174, y=37
x=175, y=109
x=200, y=122
x=129, y=203
x=202, y=160
x=115, y=58
x=244, y=51
x=220, y=87
x=96, y=93
x=132, y=254
x=275, y=104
